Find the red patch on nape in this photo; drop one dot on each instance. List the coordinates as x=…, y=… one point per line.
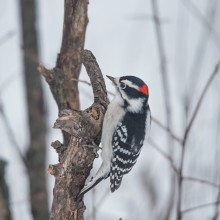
x=143, y=89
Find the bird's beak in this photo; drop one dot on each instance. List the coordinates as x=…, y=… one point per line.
x=112, y=79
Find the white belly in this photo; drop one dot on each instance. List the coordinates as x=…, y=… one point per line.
x=113, y=115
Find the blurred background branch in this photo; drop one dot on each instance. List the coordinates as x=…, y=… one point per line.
x=216, y=213
x=198, y=180
x=5, y=213
x=206, y=205
x=206, y=22
x=187, y=131
x=6, y=37
x=36, y=153
x=11, y=134
x=167, y=99
x=165, y=155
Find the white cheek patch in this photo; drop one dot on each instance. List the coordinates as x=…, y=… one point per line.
x=134, y=105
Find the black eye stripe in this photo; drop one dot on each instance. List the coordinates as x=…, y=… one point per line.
x=122, y=85
x=133, y=93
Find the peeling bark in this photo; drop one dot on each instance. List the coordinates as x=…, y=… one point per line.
x=75, y=160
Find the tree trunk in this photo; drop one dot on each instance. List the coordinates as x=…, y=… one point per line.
x=79, y=127
x=35, y=157
x=84, y=128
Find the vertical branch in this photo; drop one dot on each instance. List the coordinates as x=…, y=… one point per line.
x=149, y=190
x=93, y=204
x=195, y=71
x=35, y=156
x=5, y=213
x=166, y=90
x=216, y=215
x=217, y=173
x=163, y=66
x=186, y=134
x=69, y=60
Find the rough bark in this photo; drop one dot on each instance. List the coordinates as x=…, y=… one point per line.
x=5, y=213
x=75, y=159
x=35, y=156
x=69, y=61
x=65, y=89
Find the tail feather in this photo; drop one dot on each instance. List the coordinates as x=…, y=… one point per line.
x=90, y=185
x=115, y=178
x=115, y=184
x=102, y=173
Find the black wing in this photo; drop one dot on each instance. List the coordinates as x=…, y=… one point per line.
x=127, y=143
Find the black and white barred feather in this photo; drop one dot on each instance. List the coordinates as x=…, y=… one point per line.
x=127, y=142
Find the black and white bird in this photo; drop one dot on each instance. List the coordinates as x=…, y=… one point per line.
x=126, y=125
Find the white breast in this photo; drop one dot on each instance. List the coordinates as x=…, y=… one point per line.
x=113, y=115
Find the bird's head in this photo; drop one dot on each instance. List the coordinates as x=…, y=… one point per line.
x=133, y=91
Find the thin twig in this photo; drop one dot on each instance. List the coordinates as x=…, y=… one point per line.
x=11, y=134
x=93, y=204
x=89, y=84
x=217, y=210
x=166, y=93
x=147, y=17
x=199, y=207
x=195, y=71
x=165, y=128
x=197, y=13
x=188, y=129
x=82, y=81
x=194, y=179
x=165, y=155
x=162, y=57
x=216, y=215
x=204, y=92
x=6, y=37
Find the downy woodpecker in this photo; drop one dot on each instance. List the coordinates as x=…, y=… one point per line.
x=125, y=127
